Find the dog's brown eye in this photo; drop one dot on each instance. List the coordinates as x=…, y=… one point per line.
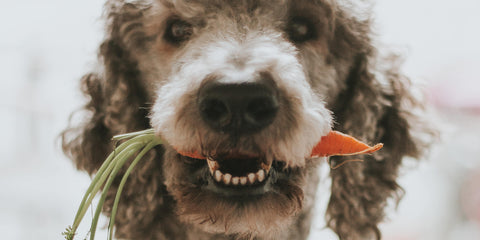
x=300, y=30
x=178, y=31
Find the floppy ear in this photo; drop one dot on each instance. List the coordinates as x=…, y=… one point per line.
x=117, y=104
x=117, y=97
x=375, y=112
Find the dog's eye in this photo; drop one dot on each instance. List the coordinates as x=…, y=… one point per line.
x=178, y=31
x=300, y=30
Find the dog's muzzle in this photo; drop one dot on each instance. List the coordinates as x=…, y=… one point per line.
x=238, y=110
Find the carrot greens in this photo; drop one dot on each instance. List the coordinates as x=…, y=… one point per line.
x=142, y=141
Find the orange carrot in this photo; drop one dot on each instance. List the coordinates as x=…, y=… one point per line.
x=192, y=154
x=333, y=144
x=340, y=144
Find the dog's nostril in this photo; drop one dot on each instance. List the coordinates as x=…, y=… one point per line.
x=215, y=111
x=261, y=111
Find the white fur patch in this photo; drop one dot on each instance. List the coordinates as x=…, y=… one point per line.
x=237, y=60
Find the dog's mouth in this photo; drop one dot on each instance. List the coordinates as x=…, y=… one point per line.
x=237, y=175
x=238, y=171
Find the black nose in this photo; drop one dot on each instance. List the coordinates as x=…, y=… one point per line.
x=238, y=108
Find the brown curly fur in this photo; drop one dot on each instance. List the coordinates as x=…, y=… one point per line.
x=363, y=106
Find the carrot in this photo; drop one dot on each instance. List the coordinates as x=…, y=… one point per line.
x=194, y=154
x=333, y=144
x=339, y=144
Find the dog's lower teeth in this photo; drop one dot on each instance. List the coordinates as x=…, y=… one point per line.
x=227, y=178
x=218, y=175
x=260, y=175
x=235, y=180
x=212, y=165
x=266, y=167
x=243, y=181
x=251, y=178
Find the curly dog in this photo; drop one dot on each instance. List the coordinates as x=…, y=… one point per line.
x=254, y=85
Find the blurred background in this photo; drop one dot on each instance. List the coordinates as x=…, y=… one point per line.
x=45, y=47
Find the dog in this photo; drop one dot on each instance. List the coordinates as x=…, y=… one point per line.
x=253, y=85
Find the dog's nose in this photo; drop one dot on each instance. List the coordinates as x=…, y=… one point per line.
x=238, y=108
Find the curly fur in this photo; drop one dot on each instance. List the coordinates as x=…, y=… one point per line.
x=339, y=75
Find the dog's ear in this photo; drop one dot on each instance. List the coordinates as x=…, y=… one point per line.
x=374, y=110
x=116, y=96
x=117, y=101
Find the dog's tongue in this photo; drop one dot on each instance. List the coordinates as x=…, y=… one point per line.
x=333, y=144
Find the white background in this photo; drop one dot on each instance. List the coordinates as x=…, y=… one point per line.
x=45, y=47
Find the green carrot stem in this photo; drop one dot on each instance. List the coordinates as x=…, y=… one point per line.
x=119, y=161
x=149, y=132
x=99, y=179
x=151, y=145
x=88, y=197
x=110, y=168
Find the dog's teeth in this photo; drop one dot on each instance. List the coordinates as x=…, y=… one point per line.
x=261, y=175
x=227, y=178
x=218, y=176
x=212, y=165
x=266, y=167
x=251, y=178
x=243, y=180
x=235, y=180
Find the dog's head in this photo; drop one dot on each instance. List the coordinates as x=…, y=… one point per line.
x=236, y=87
x=253, y=86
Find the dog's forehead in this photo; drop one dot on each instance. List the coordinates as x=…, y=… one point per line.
x=202, y=7
x=217, y=3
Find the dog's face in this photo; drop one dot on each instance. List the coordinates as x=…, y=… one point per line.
x=247, y=84
x=252, y=85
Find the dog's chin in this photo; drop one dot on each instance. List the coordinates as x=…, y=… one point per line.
x=235, y=195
